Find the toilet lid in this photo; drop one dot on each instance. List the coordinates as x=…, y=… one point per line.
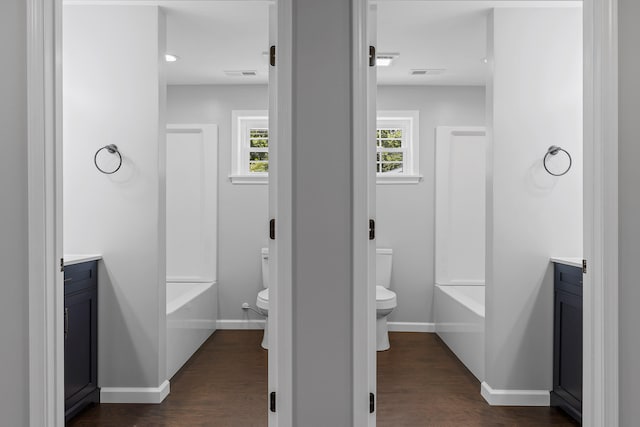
x=263, y=299
x=384, y=294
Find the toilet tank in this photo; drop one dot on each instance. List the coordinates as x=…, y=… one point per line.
x=265, y=267
x=383, y=267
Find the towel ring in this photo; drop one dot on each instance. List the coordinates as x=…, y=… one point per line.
x=552, y=151
x=113, y=149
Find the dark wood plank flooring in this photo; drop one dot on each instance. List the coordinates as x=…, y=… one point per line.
x=420, y=383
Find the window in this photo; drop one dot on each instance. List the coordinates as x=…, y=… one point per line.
x=397, y=147
x=250, y=155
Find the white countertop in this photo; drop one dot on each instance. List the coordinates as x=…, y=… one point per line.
x=573, y=261
x=78, y=259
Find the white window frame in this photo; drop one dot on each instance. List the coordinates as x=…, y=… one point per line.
x=409, y=122
x=242, y=122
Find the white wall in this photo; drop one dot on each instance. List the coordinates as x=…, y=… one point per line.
x=14, y=309
x=406, y=213
x=629, y=176
x=534, y=101
x=242, y=209
x=114, y=94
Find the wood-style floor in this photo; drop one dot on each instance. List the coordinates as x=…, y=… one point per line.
x=420, y=383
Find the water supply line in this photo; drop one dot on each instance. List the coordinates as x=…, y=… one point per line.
x=246, y=306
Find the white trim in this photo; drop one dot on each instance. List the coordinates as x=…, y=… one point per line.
x=135, y=394
x=388, y=179
x=496, y=397
x=249, y=179
x=600, y=300
x=46, y=342
x=364, y=123
x=243, y=324
x=411, y=327
x=280, y=320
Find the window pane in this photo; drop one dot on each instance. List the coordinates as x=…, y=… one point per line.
x=258, y=133
x=391, y=167
x=258, y=142
x=258, y=155
x=391, y=143
x=390, y=133
x=258, y=166
x=391, y=157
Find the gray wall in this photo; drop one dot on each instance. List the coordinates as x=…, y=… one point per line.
x=405, y=212
x=242, y=209
x=629, y=205
x=322, y=214
x=531, y=215
x=14, y=309
x=114, y=93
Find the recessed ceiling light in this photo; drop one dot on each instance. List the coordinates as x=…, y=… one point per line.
x=385, y=59
x=169, y=57
x=485, y=61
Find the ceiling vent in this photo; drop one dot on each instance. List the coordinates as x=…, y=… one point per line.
x=241, y=73
x=427, y=72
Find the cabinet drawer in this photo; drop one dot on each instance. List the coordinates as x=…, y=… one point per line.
x=80, y=276
x=568, y=279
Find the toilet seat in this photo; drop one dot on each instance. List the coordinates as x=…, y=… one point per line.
x=263, y=299
x=385, y=299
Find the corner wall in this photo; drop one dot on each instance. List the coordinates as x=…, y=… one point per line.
x=14, y=303
x=629, y=205
x=114, y=93
x=532, y=216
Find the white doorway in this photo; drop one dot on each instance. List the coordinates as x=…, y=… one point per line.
x=597, y=312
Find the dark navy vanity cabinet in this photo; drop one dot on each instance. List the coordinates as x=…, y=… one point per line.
x=567, y=340
x=80, y=337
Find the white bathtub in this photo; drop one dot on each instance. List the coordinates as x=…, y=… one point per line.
x=192, y=311
x=459, y=317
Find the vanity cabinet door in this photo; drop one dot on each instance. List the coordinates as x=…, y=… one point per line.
x=567, y=346
x=80, y=339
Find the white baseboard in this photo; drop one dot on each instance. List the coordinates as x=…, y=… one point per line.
x=241, y=324
x=496, y=397
x=135, y=394
x=411, y=327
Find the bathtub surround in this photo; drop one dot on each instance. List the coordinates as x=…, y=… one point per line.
x=531, y=215
x=121, y=216
x=243, y=208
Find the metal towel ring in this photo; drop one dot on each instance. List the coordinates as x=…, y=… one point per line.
x=113, y=149
x=553, y=150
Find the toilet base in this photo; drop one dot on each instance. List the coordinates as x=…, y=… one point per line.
x=382, y=334
x=265, y=336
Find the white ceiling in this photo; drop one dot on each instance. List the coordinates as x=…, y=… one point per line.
x=211, y=37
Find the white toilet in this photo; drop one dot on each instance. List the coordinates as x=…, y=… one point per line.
x=262, y=301
x=385, y=298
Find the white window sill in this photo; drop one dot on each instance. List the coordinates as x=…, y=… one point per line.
x=249, y=179
x=381, y=180
x=397, y=179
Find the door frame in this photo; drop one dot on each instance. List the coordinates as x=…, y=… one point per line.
x=600, y=187
x=46, y=298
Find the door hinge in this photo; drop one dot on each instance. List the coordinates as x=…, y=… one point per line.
x=61, y=264
x=272, y=401
x=372, y=56
x=584, y=266
x=272, y=56
x=272, y=229
x=372, y=403
x=372, y=229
